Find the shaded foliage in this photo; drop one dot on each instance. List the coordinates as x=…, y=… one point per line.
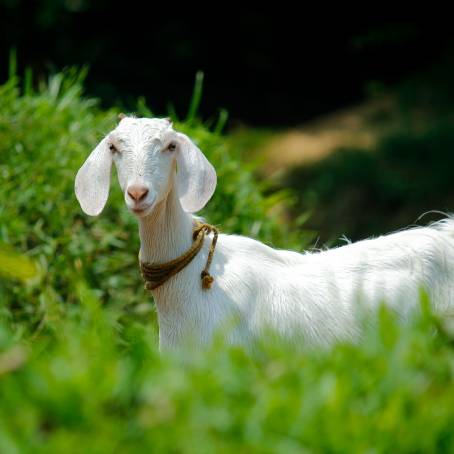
x=267, y=66
x=407, y=173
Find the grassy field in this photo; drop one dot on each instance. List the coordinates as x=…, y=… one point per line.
x=79, y=365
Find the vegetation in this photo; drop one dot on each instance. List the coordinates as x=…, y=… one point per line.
x=361, y=192
x=80, y=369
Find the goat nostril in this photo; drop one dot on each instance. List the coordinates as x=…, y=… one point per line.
x=137, y=193
x=144, y=194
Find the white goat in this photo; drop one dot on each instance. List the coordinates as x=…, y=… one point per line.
x=313, y=295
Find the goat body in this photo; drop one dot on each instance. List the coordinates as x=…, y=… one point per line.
x=313, y=295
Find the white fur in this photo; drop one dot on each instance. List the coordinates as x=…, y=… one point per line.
x=312, y=295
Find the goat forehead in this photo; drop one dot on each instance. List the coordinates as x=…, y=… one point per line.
x=142, y=130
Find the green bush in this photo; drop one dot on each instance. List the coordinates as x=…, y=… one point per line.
x=80, y=369
x=91, y=388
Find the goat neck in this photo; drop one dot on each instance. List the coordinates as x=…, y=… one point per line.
x=166, y=232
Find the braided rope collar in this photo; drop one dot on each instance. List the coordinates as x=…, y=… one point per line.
x=156, y=275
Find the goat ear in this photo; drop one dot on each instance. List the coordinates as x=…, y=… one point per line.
x=93, y=180
x=196, y=177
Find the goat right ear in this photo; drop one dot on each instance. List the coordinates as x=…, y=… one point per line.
x=93, y=180
x=196, y=177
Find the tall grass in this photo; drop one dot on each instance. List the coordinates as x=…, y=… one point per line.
x=79, y=365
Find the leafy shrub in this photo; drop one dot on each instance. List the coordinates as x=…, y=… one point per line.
x=93, y=389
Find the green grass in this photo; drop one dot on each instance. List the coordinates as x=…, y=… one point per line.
x=80, y=369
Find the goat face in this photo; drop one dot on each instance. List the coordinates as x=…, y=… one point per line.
x=150, y=157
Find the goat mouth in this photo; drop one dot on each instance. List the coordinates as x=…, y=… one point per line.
x=141, y=210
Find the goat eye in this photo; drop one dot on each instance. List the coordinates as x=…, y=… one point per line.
x=113, y=148
x=172, y=146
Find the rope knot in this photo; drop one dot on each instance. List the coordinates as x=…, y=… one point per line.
x=155, y=275
x=207, y=279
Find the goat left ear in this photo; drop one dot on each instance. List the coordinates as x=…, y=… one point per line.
x=196, y=177
x=93, y=180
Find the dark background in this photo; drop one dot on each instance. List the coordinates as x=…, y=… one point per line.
x=271, y=67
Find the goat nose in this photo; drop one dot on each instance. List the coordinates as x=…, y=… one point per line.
x=137, y=193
